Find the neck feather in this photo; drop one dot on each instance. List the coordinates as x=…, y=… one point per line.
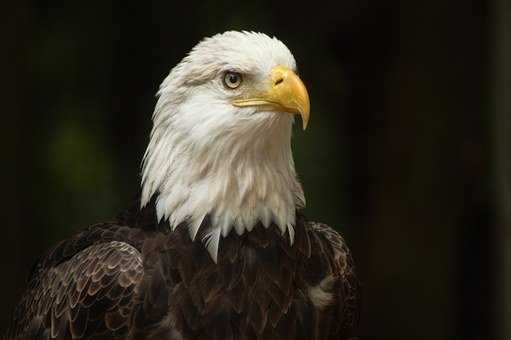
x=238, y=177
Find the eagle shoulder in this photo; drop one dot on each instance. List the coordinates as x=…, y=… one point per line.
x=333, y=285
x=89, y=293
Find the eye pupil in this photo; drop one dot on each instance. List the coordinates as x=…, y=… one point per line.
x=232, y=80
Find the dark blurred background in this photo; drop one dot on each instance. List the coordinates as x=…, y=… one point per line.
x=407, y=153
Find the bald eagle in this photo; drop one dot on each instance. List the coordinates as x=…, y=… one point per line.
x=216, y=246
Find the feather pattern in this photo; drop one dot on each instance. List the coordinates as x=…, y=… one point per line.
x=132, y=278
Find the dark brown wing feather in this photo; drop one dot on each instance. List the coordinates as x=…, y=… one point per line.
x=134, y=279
x=85, y=297
x=259, y=289
x=336, y=269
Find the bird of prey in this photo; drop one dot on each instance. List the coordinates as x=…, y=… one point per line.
x=215, y=246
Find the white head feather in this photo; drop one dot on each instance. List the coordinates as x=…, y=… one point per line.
x=208, y=157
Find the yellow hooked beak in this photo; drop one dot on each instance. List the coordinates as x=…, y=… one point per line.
x=285, y=93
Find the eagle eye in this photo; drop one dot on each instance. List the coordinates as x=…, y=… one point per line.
x=232, y=80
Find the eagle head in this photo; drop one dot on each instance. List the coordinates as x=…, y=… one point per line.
x=219, y=155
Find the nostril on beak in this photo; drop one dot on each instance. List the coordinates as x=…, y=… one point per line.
x=278, y=81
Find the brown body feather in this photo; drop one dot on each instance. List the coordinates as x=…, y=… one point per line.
x=134, y=279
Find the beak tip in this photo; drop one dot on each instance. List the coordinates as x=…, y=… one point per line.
x=305, y=114
x=305, y=123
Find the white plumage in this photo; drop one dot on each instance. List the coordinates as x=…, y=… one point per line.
x=207, y=156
